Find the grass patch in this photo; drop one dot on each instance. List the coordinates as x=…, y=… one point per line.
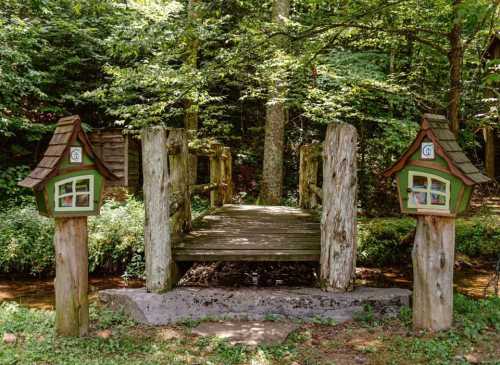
x=475, y=333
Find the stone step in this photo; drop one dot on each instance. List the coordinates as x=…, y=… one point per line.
x=187, y=303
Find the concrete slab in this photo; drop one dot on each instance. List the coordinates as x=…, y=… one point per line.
x=250, y=333
x=252, y=304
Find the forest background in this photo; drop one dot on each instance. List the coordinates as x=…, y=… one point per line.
x=262, y=77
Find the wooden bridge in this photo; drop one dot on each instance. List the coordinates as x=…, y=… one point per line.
x=252, y=233
x=246, y=232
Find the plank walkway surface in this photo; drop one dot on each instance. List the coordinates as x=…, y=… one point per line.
x=252, y=233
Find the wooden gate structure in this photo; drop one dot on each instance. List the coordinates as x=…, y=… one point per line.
x=247, y=232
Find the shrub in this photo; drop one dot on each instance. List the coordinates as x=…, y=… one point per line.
x=26, y=241
x=115, y=240
x=385, y=241
x=388, y=241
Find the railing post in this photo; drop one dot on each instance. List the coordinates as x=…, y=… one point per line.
x=216, y=195
x=180, y=220
x=227, y=175
x=308, y=175
x=157, y=241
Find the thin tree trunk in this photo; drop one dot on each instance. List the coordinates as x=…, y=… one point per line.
x=157, y=242
x=71, y=284
x=455, y=58
x=338, y=222
x=272, y=172
x=489, y=153
x=433, y=259
x=191, y=108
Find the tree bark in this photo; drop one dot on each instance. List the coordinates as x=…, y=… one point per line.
x=272, y=172
x=190, y=107
x=308, y=175
x=489, y=153
x=338, y=222
x=180, y=220
x=216, y=166
x=433, y=258
x=157, y=242
x=455, y=58
x=71, y=284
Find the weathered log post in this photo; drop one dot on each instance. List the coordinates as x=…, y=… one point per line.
x=433, y=259
x=308, y=175
x=71, y=284
x=216, y=195
x=227, y=175
x=157, y=241
x=180, y=219
x=338, y=222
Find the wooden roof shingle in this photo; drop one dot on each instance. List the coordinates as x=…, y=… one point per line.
x=437, y=129
x=68, y=130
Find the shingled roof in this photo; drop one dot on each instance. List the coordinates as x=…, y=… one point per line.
x=436, y=128
x=68, y=130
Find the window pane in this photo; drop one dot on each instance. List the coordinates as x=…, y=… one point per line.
x=82, y=200
x=419, y=198
x=438, y=199
x=420, y=182
x=66, y=188
x=67, y=201
x=437, y=185
x=83, y=185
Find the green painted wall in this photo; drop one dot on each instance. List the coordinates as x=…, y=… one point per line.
x=455, y=185
x=46, y=207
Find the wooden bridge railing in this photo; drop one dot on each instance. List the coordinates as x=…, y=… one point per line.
x=310, y=160
x=167, y=195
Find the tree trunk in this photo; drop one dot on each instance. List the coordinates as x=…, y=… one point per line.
x=489, y=153
x=433, y=258
x=190, y=107
x=157, y=243
x=455, y=58
x=71, y=284
x=338, y=222
x=272, y=172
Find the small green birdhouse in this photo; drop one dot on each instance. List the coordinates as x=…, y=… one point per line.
x=434, y=176
x=69, y=180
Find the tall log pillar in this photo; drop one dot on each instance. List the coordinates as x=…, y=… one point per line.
x=308, y=175
x=179, y=180
x=216, y=195
x=227, y=175
x=157, y=242
x=433, y=258
x=338, y=222
x=71, y=284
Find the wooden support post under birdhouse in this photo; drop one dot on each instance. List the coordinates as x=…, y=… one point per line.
x=338, y=222
x=433, y=259
x=71, y=284
x=157, y=240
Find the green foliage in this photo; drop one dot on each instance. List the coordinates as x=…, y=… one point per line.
x=10, y=193
x=115, y=240
x=388, y=241
x=478, y=236
x=385, y=241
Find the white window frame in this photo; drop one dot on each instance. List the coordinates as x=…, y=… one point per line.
x=74, y=194
x=428, y=191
